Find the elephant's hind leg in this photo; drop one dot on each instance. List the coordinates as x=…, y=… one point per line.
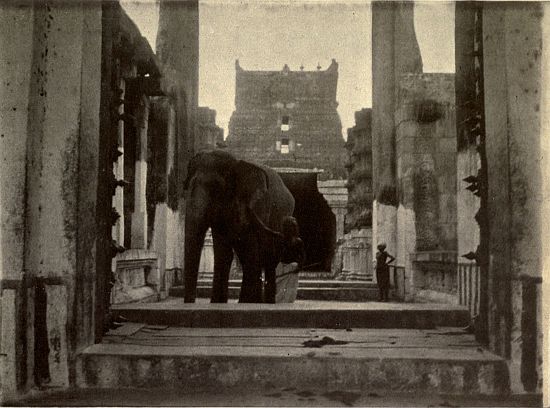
x=223, y=256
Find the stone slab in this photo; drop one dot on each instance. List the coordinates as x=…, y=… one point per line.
x=422, y=361
x=315, y=314
x=267, y=397
x=356, y=291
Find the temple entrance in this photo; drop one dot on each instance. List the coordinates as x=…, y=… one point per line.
x=315, y=218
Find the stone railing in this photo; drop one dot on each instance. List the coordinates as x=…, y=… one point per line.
x=137, y=277
x=469, y=286
x=355, y=256
x=434, y=275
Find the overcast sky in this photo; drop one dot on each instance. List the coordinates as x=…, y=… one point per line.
x=268, y=34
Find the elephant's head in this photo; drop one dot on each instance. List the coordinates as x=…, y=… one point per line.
x=219, y=192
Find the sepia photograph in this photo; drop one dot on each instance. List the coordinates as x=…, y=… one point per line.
x=274, y=203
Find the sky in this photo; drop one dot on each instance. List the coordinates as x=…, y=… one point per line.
x=265, y=35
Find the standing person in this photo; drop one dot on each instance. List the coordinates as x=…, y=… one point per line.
x=292, y=256
x=383, y=272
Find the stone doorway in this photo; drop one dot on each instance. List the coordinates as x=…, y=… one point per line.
x=315, y=217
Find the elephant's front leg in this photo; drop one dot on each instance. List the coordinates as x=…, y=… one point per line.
x=223, y=256
x=251, y=287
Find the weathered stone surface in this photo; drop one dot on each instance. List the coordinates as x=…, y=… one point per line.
x=298, y=314
x=287, y=283
x=513, y=91
x=359, y=145
x=208, y=135
x=214, y=359
x=426, y=174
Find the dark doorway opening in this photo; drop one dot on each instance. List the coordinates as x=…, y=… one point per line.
x=315, y=218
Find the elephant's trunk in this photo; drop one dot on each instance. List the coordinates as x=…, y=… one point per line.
x=195, y=231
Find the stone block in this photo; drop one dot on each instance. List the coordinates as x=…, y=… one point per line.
x=56, y=313
x=447, y=145
x=287, y=283
x=8, y=363
x=447, y=208
x=407, y=129
x=447, y=236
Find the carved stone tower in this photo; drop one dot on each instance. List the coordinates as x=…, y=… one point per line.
x=288, y=119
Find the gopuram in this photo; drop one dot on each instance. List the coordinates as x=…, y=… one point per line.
x=288, y=119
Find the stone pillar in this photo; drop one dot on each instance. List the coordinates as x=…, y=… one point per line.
x=177, y=48
x=394, y=52
x=545, y=207
x=16, y=45
x=336, y=196
x=514, y=93
x=139, y=216
x=51, y=68
x=118, y=170
x=426, y=168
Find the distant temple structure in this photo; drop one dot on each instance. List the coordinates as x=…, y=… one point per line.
x=207, y=134
x=288, y=119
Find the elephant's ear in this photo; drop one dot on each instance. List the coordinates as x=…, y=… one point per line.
x=251, y=182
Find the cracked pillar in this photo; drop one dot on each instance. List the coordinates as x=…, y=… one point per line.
x=139, y=216
x=395, y=52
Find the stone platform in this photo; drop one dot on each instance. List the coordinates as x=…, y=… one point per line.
x=310, y=289
x=431, y=361
x=314, y=314
x=267, y=397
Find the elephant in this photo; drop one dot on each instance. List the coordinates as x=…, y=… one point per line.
x=229, y=196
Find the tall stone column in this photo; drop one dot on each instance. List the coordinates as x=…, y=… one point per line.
x=394, y=52
x=545, y=204
x=118, y=199
x=51, y=70
x=139, y=216
x=513, y=47
x=178, y=51
x=16, y=43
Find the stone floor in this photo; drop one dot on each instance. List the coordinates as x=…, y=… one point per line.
x=175, y=303
x=302, y=313
x=443, y=360
x=275, y=397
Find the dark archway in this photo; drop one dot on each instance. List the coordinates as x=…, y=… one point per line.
x=315, y=218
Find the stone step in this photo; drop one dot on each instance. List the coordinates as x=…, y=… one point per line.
x=420, y=362
x=336, y=294
x=310, y=283
x=315, y=314
x=350, y=291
